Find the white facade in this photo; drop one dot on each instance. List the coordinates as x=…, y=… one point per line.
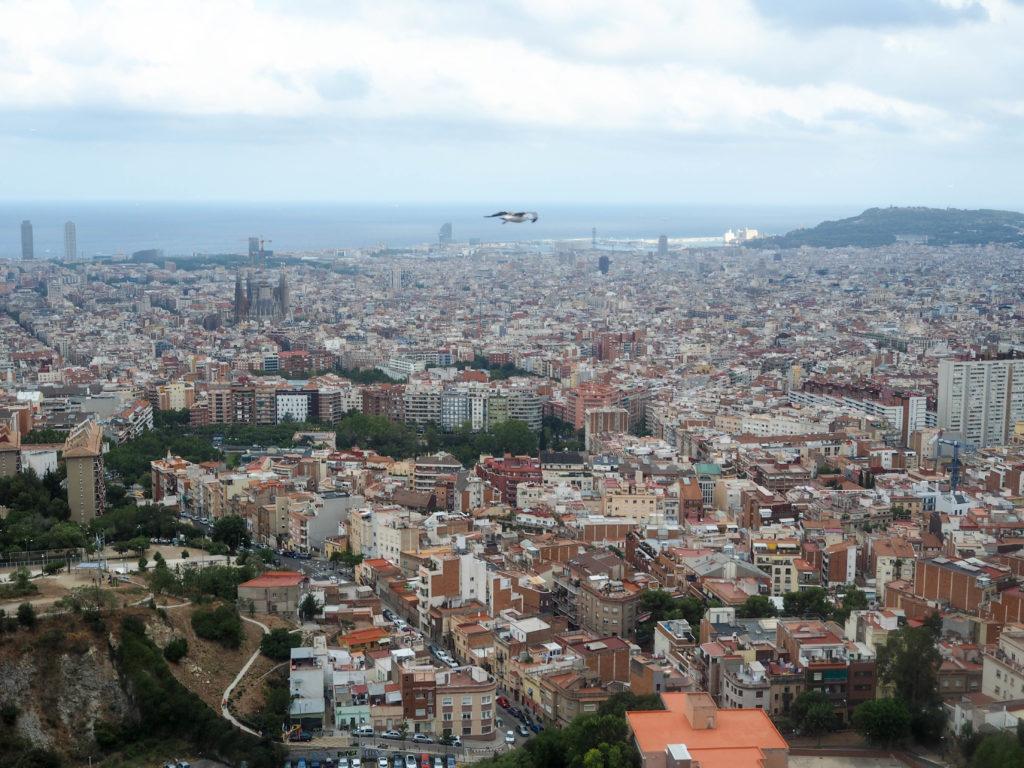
x=292, y=406
x=980, y=401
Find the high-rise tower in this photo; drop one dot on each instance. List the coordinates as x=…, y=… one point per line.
x=444, y=237
x=241, y=300
x=27, y=247
x=662, y=246
x=282, y=295
x=70, y=240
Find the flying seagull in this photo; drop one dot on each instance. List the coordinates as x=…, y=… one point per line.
x=516, y=218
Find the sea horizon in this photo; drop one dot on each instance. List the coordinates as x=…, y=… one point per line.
x=184, y=228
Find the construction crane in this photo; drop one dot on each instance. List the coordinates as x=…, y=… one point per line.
x=954, y=465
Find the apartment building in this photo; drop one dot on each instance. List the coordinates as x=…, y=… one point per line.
x=777, y=558
x=10, y=450
x=607, y=606
x=466, y=704
x=86, y=483
x=1002, y=675
x=981, y=401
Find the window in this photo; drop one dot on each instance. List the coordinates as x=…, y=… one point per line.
x=485, y=699
x=467, y=701
x=485, y=714
x=446, y=701
x=447, y=717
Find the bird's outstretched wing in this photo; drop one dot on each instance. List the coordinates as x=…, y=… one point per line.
x=499, y=213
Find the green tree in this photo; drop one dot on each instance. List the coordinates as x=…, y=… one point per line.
x=221, y=624
x=143, y=563
x=232, y=531
x=998, y=750
x=309, y=608
x=176, y=649
x=882, y=721
x=806, y=602
x=808, y=713
x=659, y=605
x=933, y=621
x=27, y=615
x=756, y=607
x=818, y=720
x=853, y=600
x=625, y=701
x=278, y=643
x=909, y=662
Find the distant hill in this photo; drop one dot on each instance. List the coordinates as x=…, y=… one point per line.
x=883, y=226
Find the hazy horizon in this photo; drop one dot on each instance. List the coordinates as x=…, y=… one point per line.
x=183, y=227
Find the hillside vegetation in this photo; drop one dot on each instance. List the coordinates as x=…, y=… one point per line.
x=94, y=684
x=883, y=226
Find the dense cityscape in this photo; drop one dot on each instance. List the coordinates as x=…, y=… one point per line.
x=445, y=384
x=552, y=479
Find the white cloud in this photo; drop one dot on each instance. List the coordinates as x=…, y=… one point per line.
x=688, y=67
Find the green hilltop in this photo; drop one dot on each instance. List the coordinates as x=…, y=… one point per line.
x=884, y=226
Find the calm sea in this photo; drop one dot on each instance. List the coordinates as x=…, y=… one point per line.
x=184, y=228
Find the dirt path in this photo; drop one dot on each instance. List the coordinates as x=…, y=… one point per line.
x=224, y=710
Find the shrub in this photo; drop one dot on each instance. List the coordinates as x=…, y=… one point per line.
x=9, y=713
x=26, y=615
x=176, y=649
x=106, y=734
x=277, y=645
x=54, y=566
x=221, y=624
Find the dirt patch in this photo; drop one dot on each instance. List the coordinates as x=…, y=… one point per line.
x=53, y=588
x=249, y=696
x=209, y=667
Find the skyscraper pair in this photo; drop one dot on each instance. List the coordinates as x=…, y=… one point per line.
x=28, y=250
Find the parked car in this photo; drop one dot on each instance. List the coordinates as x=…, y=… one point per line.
x=454, y=741
x=357, y=763
x=342, y=762
x=363, y=730
x=503, y=702
x=536, y=727
x=301, y=763
x=438, y=763
x=451, y=761
x=411, y=761
x=514, y=711
x=510, y=737
x=523, y=730
x=422, y=738
x=391, y=735
x=301, y=736
x=382, y=762
x=397, y=760
x=314, y=763
x=424, y=760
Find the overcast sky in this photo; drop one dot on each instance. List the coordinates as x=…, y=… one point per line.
x=711, y=101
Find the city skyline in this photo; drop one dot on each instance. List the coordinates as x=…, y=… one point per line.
x=864, y=103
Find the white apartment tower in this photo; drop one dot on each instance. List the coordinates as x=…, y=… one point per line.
x=980, y=401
